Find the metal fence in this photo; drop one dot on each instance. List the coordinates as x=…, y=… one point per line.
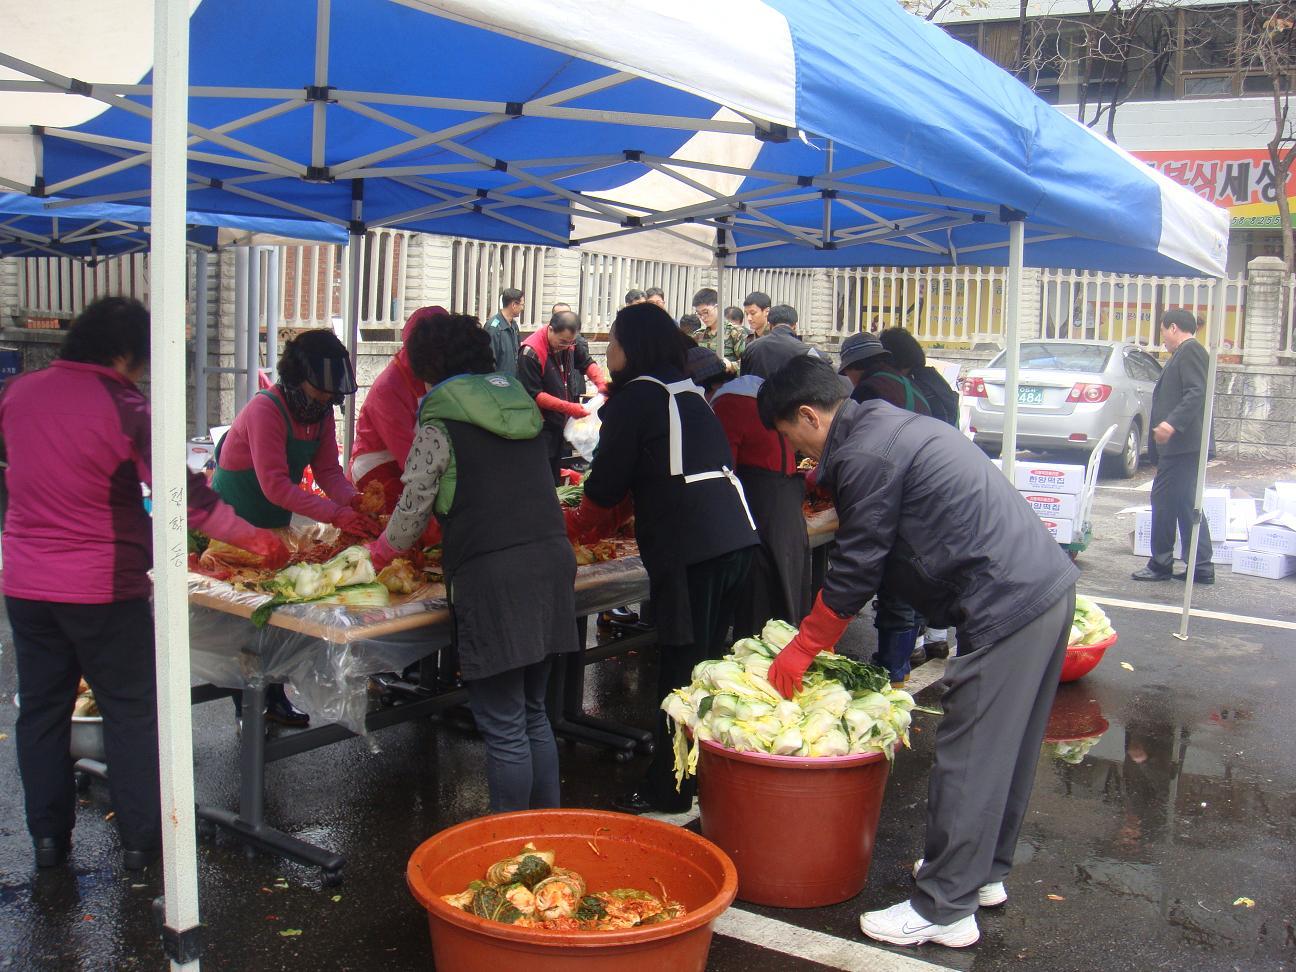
x=313, y=284
x=953, y=305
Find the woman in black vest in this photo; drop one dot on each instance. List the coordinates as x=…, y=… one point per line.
x=662, y=444
x=479, y=463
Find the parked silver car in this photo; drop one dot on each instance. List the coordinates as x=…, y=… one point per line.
x=1069, y=393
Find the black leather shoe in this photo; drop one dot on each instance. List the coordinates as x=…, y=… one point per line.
x=280, y=710
x=1148, y=574
x=135, y=859
x=634, y=802
x=52, y=851
x=1199, y=577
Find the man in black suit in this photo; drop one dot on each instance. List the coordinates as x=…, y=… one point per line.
x=1178, y=406
x=780, y=344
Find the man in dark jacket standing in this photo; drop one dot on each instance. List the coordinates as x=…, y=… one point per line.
x=505, y=337
x=552, y=367
x=1178, y=406
x=765, y=355
x=923, y=512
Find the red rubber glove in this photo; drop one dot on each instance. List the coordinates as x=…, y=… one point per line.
x=820, y=631
x=271, y=549
x=552, y=403
x=595, y=374
x=349, y=521
x=572, y=477
x=382, y=553
x=432, y=535
x=590, y=522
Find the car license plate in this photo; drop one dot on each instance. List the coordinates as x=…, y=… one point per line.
x=1030, y=396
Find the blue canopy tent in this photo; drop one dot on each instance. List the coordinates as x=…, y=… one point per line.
x=92, y=232
x=859, y=135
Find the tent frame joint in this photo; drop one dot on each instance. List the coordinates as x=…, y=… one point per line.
x=1009, y=215
x=772, y=133
x=357, y=227
x=320, y=93
x=182, y=945
x=318, y=173
x=633, y=155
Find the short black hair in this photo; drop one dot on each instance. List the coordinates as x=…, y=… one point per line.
x=565, y=321
x=655, y=292
x=805, y=380
x=690, y=323
x=651, y=342
x=317, y=342
x=1183, y=319
x=906, y=352
x=707, y=295
x=782, y=314
x=735, y=314
x=761, y=300
x=510, y=295
x=635, y=296
x=447, y=345
x=561, y=303
x=108, y=329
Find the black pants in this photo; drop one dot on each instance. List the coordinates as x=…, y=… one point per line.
x=1174, y=490
x=713, y=595
x=111, y=645
x=521, y=755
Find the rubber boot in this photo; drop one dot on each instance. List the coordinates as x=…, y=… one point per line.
x=895, y=649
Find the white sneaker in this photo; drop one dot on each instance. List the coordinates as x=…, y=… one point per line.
x=988, y=895
x=901, y=925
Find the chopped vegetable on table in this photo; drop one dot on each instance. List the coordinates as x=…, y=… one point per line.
x=844, y=706
x=346, y=579
x=529, y=890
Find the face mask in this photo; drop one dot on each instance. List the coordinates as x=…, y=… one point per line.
x=302, y=407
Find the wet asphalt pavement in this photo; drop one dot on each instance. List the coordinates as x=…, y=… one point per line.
x=1183, y=802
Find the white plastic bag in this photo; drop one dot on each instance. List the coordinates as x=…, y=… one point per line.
x=583, y=433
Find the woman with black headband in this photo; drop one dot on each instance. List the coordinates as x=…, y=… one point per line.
x=281, y=432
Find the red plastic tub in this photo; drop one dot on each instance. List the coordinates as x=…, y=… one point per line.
x=611, y=850
x=752, y=803
x=1083, y=659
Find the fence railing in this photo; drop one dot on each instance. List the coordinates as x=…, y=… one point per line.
x=312, y=282
x=961, y=305
x=479, y=271
x=61, y=287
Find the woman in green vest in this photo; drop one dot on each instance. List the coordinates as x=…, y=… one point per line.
x=479, y=464
x=280, y=433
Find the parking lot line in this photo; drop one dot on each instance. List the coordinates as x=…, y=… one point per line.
x=813, y=946
x=1196, y=612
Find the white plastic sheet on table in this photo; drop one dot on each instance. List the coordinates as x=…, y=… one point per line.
x=325, y=653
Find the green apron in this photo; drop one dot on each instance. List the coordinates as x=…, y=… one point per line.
x=241, y=489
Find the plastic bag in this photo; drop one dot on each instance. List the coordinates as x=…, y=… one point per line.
x=583, y=433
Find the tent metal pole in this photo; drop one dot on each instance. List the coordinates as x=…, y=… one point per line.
x=240, y=326
x=254, y=324
x=1012, y=341
x=201, y=423
x=355, y=268
x=1216, y=329
x=721, y=324
x=181, y=930
x=272, y=310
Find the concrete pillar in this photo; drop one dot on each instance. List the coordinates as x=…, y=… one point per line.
x=1266, y=282
x=428, y=262
x=1032, y=303
x=562, y=279
x=818, y=325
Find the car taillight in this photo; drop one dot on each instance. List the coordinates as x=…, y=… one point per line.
x=974, y=388
x=1091, y=394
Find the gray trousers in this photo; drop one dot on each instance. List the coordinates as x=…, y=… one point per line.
x=521, y=755
x=997, y=701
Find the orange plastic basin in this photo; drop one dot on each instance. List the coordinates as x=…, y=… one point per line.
x=1083, y=659
x=751, y=804
x=611, y=850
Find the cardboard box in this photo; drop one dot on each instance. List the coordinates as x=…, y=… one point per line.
x=1280, y=498
x=1052, y=504
x=1261, y=563
x=1142, y=545
x=1048, y=477
x=1061, y=529
x=1272, y=538
x=1242, y=515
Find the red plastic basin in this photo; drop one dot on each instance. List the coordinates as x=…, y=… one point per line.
x=1074, y=716
x=611, y=850
x=1083, y=659
x=751, y=804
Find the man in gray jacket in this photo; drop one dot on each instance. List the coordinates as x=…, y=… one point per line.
x=1178, y=406
x=505, y=338
x=925, y=513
